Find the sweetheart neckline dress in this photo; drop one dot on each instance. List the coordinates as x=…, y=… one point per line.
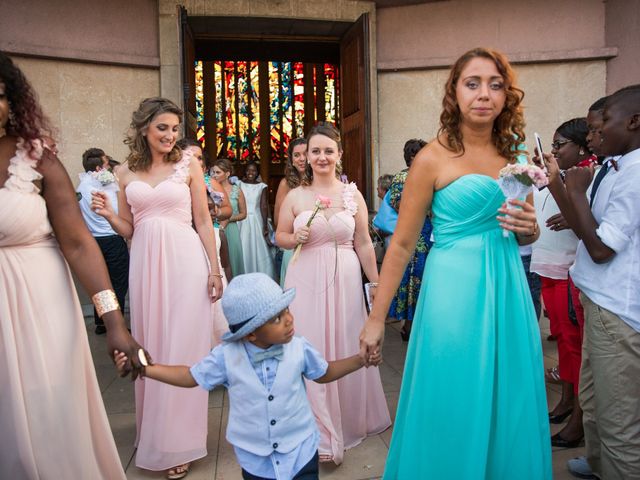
x=473, y=402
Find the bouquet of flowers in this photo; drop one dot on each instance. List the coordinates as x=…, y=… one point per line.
x=517, y=180
x=217, y=197
x=102, y=180
x=321, y=203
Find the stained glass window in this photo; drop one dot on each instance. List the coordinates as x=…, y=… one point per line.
x=235, y=98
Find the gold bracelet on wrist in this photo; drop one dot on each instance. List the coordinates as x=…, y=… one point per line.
x=105, y=301
x=219, y=275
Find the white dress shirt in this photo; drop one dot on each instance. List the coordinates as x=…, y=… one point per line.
x=615, y=284
x=97, y=225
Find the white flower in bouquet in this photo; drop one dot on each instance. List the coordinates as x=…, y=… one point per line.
x=517, y=180
x=104, y=176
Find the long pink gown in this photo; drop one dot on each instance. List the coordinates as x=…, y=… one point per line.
x=52, y=419
x=329, y=311
x=171, y=315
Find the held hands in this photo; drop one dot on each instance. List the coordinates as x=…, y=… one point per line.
x=119, y=340
x=121, y=360
x=214, y=287
x=371, y=338
x=101, y=204
x=521, y=221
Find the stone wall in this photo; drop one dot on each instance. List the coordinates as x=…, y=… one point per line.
x=410, y=102
x=90, y=105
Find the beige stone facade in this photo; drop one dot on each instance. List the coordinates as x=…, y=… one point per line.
x=567, y=53
x=409, y=102
x=89, y=104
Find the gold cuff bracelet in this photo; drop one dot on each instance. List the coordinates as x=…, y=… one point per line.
x=105, y=302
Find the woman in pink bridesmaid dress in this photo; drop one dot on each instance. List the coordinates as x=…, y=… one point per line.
x=174, y=278
x=329, y=303
x=52, y=420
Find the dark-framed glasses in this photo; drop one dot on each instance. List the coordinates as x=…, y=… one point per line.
x=559, y=143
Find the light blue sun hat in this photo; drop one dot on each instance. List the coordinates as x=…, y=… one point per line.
x=250, y=301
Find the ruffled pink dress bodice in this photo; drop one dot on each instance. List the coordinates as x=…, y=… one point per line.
x=23, y=213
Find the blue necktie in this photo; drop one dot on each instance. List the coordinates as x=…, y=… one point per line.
x=596, y=183
x=276, y=352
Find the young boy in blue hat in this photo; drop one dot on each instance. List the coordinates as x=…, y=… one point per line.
x=262, y=364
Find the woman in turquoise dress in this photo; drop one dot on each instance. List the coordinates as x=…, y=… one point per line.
x=472, y=403
x=222, y=170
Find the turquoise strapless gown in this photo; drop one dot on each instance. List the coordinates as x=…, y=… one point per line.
x=473, y=402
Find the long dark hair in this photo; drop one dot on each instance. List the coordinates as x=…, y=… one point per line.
x=27, y=119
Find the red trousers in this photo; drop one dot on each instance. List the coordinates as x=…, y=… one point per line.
x=555, y=294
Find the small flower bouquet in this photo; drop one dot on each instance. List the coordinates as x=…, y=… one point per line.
x=102, y=180
x=217, y=197
x=104, y=176
x=322, y=202
x=517, y=180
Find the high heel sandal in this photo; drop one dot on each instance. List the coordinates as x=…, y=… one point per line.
x=179, y=471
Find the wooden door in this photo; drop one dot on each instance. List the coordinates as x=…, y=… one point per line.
x=188, y=44
x=355, y=90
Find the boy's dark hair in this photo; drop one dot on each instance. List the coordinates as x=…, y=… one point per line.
x=411, y=149
x=92, y=159
x=629, y=96
x=185, y=143
x=598, y=105
x=113, y=162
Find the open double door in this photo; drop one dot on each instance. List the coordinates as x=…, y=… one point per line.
x=354, y=89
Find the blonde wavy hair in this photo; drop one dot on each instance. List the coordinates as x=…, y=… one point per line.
x=139, y=157
x=508, y=127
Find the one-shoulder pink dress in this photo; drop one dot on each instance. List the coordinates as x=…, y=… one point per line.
x=52, y=420
x=329, y=311
x=171, y=315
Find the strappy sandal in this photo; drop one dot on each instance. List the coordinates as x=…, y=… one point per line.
x=179, y=471
x=325, y=458
x=552, y=375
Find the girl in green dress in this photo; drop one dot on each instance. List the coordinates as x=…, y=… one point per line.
x=222, y=170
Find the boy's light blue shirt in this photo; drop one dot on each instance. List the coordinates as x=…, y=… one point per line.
x=211, y=371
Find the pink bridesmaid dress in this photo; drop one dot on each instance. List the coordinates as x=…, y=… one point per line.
x=329, y=311
x=171, y=315
x=52, y=419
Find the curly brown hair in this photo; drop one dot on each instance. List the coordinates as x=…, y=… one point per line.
x=291, y=173
x=27, y=120
x=139, y=153
x=508, y=127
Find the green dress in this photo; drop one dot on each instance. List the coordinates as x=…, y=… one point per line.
x=472, y=403
x=233, y=235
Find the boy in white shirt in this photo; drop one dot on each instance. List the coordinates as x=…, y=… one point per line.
x=607, y=271
x=262, y=364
